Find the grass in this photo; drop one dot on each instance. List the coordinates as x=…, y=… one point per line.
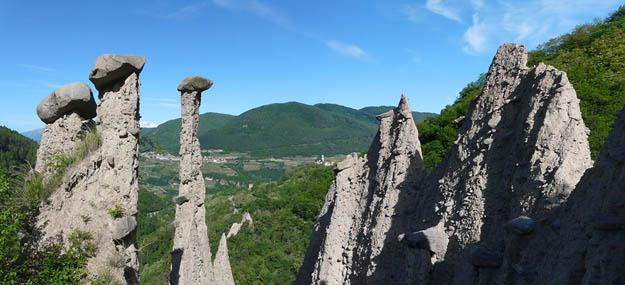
x=117, y=212
x=43, y=185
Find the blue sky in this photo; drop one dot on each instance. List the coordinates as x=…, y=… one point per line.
x=353, y=53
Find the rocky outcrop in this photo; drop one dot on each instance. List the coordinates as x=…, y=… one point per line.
x=58, y=138
x=191, y=256
x=111, y=68
x=514, y=202
x=74, y=97
x=221, y=265
x=236, y=227
x=99, y=193
x=588, y=245
x=520, y=152
x=355, y=239
x=63, y=111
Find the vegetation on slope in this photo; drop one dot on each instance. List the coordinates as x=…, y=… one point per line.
x=21, y=261
x=279, y=130
x=270, y=252
x=16, y=149
x=593, y=55
x=290, y=129
x=167, y=134
x=437, y=134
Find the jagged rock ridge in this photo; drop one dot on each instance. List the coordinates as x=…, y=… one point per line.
x=520, y=151
x=354, y=240
x=495, y=211
x=103, y=181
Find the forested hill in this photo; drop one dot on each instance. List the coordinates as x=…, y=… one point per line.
x=282, y=130
x=592, y=55
x=16, y=149
x=167, y=134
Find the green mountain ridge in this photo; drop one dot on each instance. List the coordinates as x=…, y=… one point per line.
x=16, y=149
x=282, y=129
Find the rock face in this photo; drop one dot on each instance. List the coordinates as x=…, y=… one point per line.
x=58, y=137
x=74, y=97
x=589, y=246
x=221, y=265
x=63, y=112
x=236, y=227
x=520, y=151
x=195, y=83
x=191, y=256
x=355, y=239
x=103, y=183
x=110, y=68
x=514, y=202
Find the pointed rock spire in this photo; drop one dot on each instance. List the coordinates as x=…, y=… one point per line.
x=191, y=256
x=221, y=265
x=520, y=151
x=355, y=238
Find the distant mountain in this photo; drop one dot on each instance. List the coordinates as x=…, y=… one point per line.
x=167, y=134
x=417, y=116
x=282, y=130
x=16, y=149
x=34, y=135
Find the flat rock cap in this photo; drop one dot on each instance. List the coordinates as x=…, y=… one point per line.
x=195, y=83
x=109, y=68
x=74, y=97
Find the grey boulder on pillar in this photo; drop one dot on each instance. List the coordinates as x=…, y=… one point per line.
x=74, y=97
x=195, y=83
x=109, y=68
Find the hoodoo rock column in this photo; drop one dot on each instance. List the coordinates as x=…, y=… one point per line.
x=63, y=112
x=99, y=192
x=191, y=256
x=117, y=79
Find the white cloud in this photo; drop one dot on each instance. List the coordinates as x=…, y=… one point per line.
x=347, y=49
x=437, y=6
x=148, y=124
x=475, y=37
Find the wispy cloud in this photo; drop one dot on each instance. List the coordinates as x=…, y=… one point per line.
x=258, y=8
x=272, y=14
x=46, y=83
x=186, y=11
x=477, y=4
x=438, y=7
x=156, y=99
x=413, y=12
x=348, y=49
x=37, y=68
x=529, y=22
x=169, y=105
x=475, y=37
